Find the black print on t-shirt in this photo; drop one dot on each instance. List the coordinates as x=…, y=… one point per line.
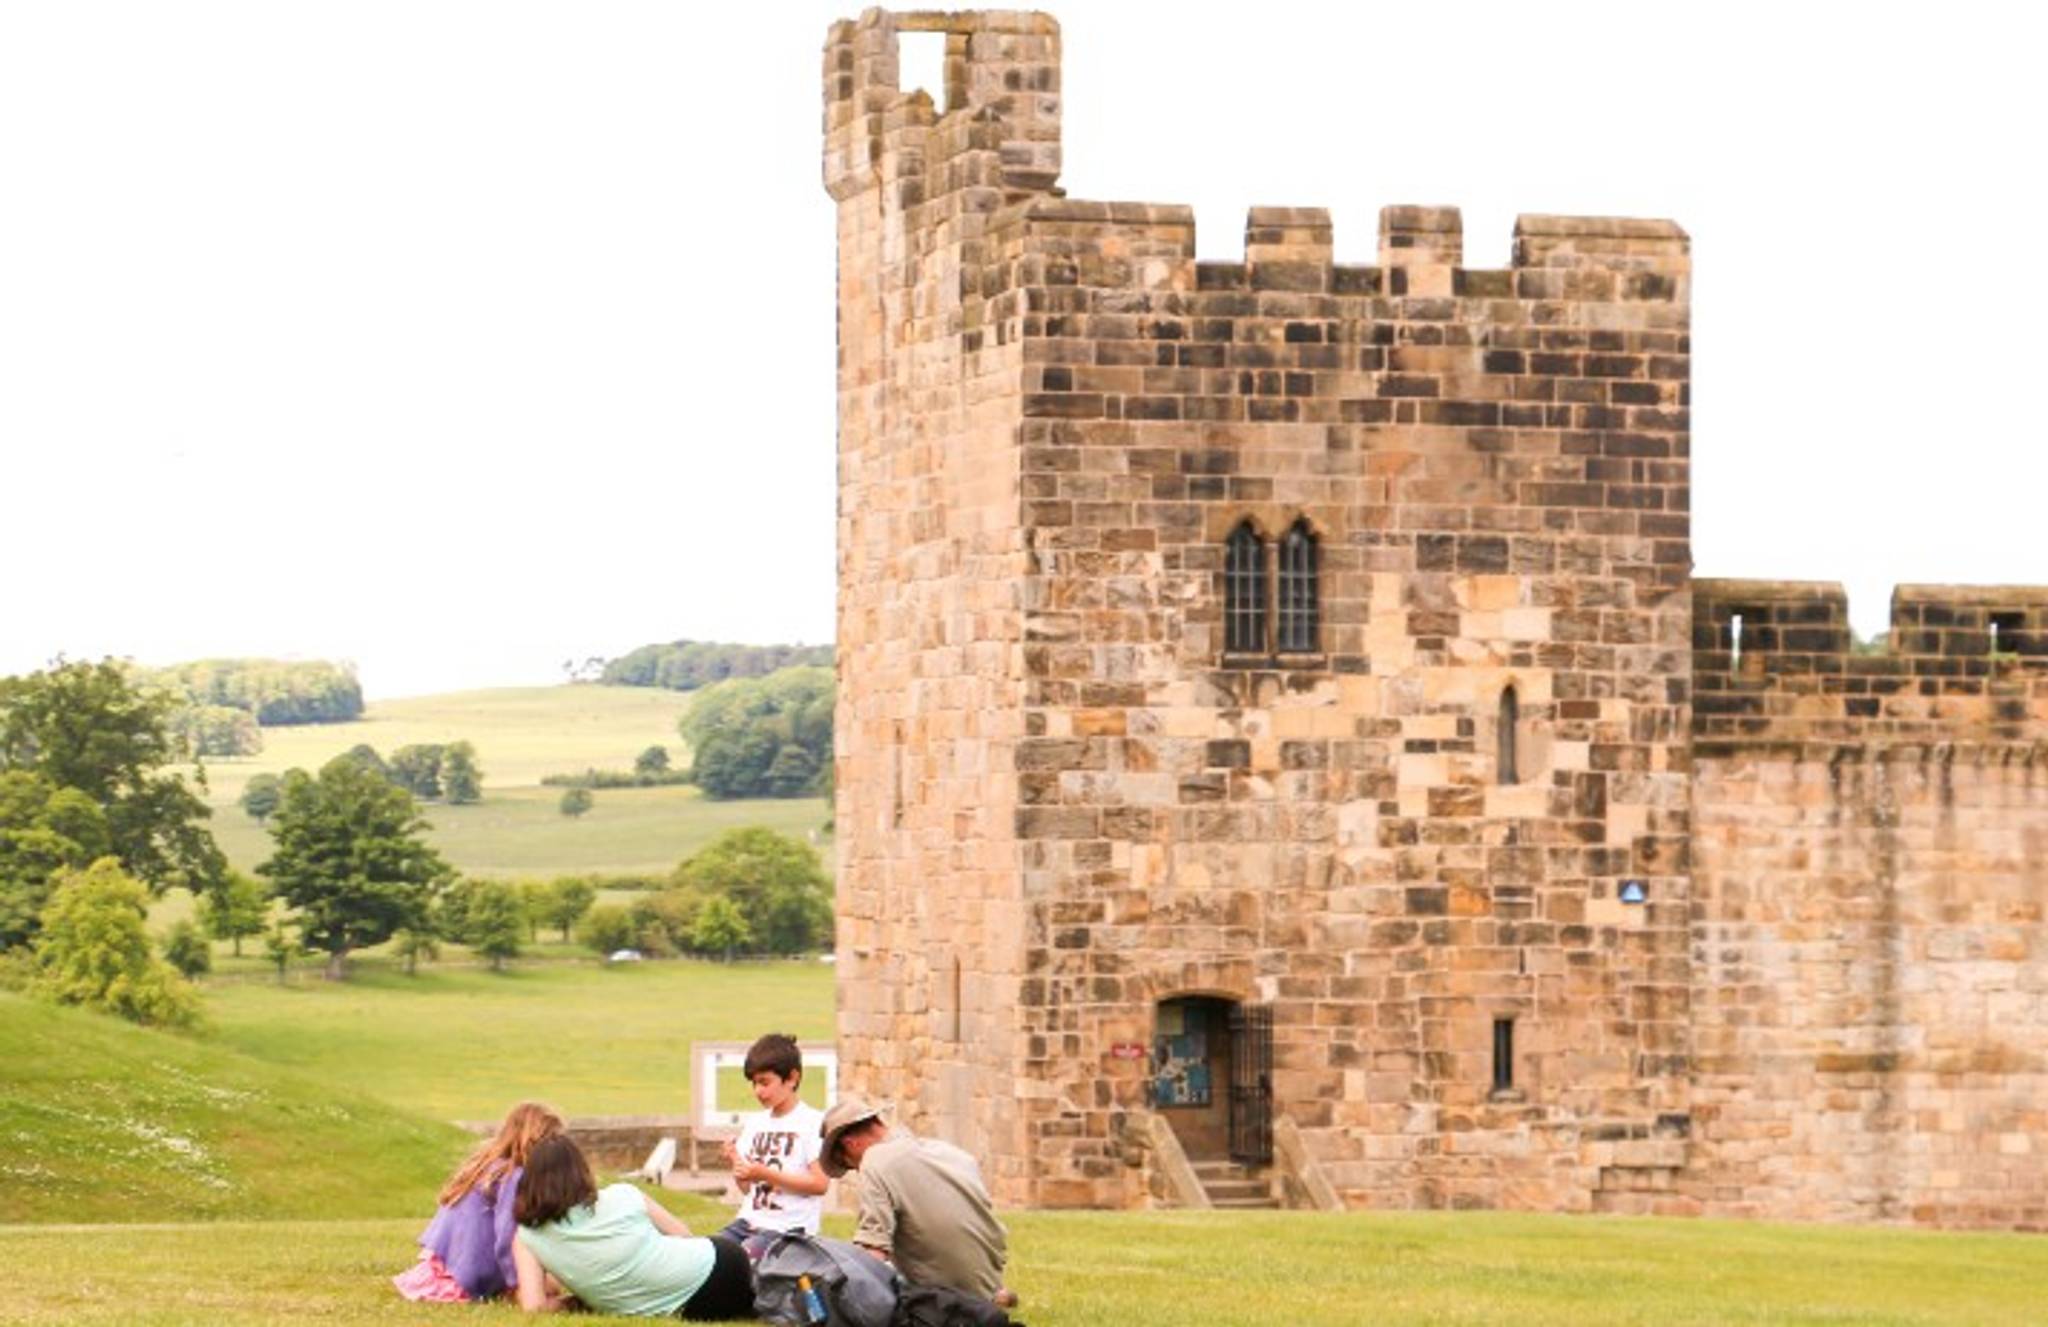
x=770, y=1150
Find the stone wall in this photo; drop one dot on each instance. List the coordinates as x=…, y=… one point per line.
x=931, y=554
x=1871, y=869
x=1494, y=466
x=1064, y=797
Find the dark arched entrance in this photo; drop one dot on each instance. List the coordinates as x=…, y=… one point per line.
x=1212, y=1077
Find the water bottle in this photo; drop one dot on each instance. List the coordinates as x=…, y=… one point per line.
x=813, y=1302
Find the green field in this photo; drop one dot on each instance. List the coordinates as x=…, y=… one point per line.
x=1118, y=1269
x=463, y=1043
x=521, y=735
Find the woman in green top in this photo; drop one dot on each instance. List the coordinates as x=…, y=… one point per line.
x=618, y=1251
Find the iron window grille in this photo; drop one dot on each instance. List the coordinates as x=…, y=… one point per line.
x=1244, y=592
x=1298, y=615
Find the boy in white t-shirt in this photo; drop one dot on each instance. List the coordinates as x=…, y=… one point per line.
x=775, y=1159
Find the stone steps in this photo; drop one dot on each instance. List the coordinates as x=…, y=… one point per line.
x=1232, y=1187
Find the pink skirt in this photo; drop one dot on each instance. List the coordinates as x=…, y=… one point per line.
x=429, y=1280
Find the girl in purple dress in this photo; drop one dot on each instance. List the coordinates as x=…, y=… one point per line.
x=466, y=1250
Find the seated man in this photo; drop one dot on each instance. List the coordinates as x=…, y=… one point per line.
x=923, y=1205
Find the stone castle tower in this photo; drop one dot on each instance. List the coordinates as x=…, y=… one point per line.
x=1278, y=722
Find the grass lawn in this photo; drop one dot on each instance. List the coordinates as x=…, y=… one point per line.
x=465, y=1043
x=1117, y=1269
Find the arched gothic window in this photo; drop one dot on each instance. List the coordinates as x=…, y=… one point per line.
x=1507, y=761
x=1244, y=592
x=1298, y=617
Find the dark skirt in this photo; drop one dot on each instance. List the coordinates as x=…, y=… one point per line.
x=728, y=1292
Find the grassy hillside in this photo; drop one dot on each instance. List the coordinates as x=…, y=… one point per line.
x=464, y=1043
x=522, y=735
x=1100, y=1269
x=102, y=1121
x=520, y=831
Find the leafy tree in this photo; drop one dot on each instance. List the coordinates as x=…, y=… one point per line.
x=565, y=902
x=575, y=802
x=461, y=780
x=93, y=950
x=533, y=906
x=260, y=796
x=43, y=829
x=364, y=756
x=216, y=730
x=735, y=764
x=607, y=929
x=280, y=946
x=417, y=769
x=350, y=859
x=415, y=943
x=495, y=921
x=662, y=922
x=738, y=731
x=777, y=882
x=654, y=760
x=792, y=773
x=88, y=727
x=187, y=950
x=235, y=909
x=451, y=910
x=720, y=929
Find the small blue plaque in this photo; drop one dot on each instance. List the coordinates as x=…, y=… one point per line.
x=1634, y=891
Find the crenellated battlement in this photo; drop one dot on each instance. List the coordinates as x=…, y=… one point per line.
x=1775, y=665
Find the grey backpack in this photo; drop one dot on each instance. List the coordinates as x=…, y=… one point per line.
x=855, y=1288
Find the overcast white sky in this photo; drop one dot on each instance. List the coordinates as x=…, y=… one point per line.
x=459, y=337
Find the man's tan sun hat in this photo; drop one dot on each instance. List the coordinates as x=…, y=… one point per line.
x=845, y=1113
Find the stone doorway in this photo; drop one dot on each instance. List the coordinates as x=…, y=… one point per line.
x=1191, y=1072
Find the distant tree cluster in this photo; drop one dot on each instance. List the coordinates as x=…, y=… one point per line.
x=763, y=737
x=651, y=769
x=434, y=772
x=685, y=665
x=750, y=891
x=275, y=692
x=216, y=730
x=430, y=771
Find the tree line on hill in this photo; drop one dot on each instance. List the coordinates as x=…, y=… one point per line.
x=225, y=703
x=685, y=665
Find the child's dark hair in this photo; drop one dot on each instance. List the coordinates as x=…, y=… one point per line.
x=557, y=1181
x=775, y=1053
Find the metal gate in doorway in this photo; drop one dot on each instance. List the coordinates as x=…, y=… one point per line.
x=1251, y=1085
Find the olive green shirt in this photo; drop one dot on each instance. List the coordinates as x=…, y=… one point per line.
x=923, y=1203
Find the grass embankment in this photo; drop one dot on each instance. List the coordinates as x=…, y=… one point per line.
x=1116, y=1269
x=465, y=1043
x=521, y=735
x=100, y=1121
